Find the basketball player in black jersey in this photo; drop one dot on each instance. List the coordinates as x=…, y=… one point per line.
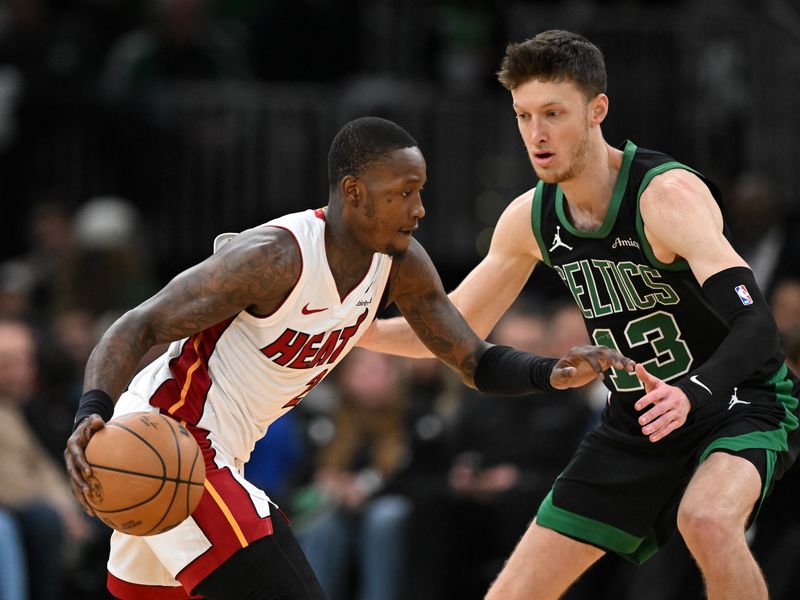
x=696, y=438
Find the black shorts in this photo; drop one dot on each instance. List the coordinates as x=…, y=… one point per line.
x=621, y=492
x=271, y=568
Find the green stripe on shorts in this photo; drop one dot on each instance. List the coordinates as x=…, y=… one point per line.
x=771, y=441
x=605, y=536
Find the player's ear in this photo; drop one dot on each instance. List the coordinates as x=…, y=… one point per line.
x=598, y=109
x=350, y=187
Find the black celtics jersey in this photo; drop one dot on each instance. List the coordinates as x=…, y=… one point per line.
x=652, y=312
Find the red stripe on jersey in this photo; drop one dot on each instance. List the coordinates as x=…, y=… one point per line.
x=226, y=515
x=134, y=591
x=184, y=396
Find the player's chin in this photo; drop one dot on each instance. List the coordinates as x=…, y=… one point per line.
x=398, y=248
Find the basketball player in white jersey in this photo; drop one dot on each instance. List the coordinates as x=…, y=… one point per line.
x=254, y=328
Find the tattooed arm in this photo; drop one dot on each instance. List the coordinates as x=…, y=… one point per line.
x=253, y=272
x=418, y=292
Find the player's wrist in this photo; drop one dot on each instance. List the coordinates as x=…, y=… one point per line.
x=93, y=402
x=694, y=393
x=504, y=370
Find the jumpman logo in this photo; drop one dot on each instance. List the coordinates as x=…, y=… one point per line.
x=735, y=400
x=557, y=240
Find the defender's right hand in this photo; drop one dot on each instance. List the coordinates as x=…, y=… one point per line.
x=78, y=468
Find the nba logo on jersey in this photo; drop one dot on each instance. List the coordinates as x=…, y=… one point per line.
x=744, y=295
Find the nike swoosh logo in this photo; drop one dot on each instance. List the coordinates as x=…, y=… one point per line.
x=694, y=379
x=310, y=311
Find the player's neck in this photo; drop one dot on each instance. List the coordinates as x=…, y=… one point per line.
x=347, y=259
x=588, y=194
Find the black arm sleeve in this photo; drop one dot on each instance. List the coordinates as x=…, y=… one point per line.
x=509, y=372
x=751, y=341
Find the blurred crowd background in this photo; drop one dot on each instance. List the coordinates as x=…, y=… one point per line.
x=133, y=131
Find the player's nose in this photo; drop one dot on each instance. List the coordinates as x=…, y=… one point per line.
x=418, y=209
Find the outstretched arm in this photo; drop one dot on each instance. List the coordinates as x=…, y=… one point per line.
x=484, y=295
x=682, y=220
x=255, y=271
x=418, y=293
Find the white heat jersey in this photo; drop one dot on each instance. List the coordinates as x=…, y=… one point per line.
x=235, y=378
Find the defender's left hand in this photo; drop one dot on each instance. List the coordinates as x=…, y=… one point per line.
x=583, y=364
x=670, y=406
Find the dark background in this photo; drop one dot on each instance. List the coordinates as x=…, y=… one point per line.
x=209, y=135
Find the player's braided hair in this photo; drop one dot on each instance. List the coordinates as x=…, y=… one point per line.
x=363, y=142
x=555, y=55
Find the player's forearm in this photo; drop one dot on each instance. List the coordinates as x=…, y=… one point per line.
x=751, y=341
x=394, y=336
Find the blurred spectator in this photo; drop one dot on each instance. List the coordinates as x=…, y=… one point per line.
x=110, y=270
x=791, y=346
x=50, y=255
x=277, y=458
x=762, y=230
x=16, y=289
x=13, y=568
x=32, y=486
x=355, y=527
x=48, y=67
x=468, y=36
x=508, y=452
x=183, y=42
x=53, y=50
x=785, y=304
x=62, y=360
x=777, y=532
x=435, y=395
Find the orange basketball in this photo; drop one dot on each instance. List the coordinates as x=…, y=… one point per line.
x=147, y=473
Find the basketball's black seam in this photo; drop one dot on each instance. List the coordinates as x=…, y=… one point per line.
x=142, y=503
x=177, y=485
x=147, y=475
x=162, y=478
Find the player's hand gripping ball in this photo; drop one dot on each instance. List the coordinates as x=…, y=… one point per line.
x=147, y=473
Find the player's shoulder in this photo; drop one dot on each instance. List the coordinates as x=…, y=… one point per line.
x=521, y=203
x=514, y=225
x=412, y=268
x=678, y=200
x=674, y=184
x=267, y=246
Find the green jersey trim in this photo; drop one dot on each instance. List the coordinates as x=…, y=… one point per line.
x=616, y=199
x=536, y=222
x=631, y=547
x=678, y=265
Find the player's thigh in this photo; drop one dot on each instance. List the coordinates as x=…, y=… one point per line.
x=724, y=490
x=543, y=565
x=271, y=568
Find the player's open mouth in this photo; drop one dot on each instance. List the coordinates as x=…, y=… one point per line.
x=543, y=158
x=410, y=230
